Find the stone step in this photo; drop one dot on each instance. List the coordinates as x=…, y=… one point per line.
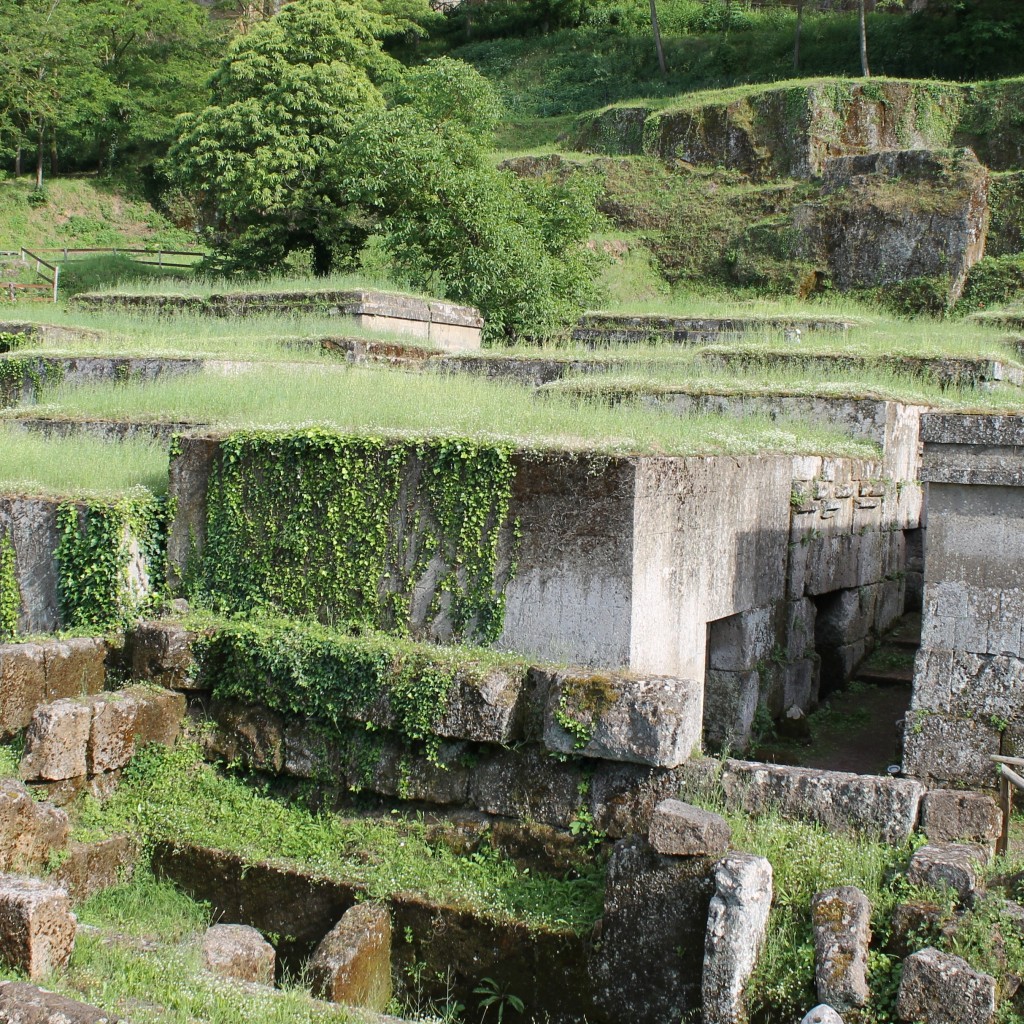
x=884, y=677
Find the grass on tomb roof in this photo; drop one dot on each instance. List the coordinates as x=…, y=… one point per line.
x=383, y=401
x=33, y=464
x=256, y=338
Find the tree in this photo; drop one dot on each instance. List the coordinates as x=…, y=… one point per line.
x=656, y=30
x=865, y=70
x=299, y=150
x=284, y=99
x=512, y=247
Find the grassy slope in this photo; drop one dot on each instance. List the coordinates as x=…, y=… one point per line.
x=83, y=213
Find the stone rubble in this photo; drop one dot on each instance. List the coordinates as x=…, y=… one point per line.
x=240, y=952
x=682, y=830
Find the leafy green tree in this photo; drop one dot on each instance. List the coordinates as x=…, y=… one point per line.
x=515, y=248
x=299, y=151
x=284, y=99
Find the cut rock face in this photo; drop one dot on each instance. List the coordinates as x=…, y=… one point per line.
x=353, y=963
x=842, y=934
x=943, y=989
x=240, y=952
x=737, y=921
x=37, y=928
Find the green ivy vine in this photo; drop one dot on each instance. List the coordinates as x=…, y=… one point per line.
x=10, y=593
x=98, y=540
x=342, y=529
x=335, y=679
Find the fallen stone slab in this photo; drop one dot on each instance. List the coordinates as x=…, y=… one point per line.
x=949, y=815
x=737, y=922
x=240, y=952
x=823, y=1014
x=951, y=865
x=838, y=800
x=841, y=918
x=21, y=1003
x=682, y=830
x=37, y=928
x=353, y=963
x=655, y=720
x=943, y=989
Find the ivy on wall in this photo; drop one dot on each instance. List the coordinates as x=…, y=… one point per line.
x=10, y=593
x=330, y=677
x=110, y=557
x=342, y=529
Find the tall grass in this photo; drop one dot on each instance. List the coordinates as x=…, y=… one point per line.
x=272, y=336
x=202, y=286
x=33, y=464
x=378, y=400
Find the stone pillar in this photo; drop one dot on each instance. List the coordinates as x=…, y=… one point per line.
x=968, y=700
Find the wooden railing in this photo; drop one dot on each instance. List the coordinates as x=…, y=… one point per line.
x=170, y=258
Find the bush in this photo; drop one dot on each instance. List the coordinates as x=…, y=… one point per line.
x=993, y=281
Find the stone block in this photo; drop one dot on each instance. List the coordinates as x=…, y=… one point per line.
x=682, y=830
x=841, y=920
x=240, y=952
x=911, y=923
x=739, y=642
x=401, y=773
x=37, y=928
x=647, y=967
x=730, y=704
x=75, y=668
x=623, y=797
x=249, y=734
x=127, y=719
x=616, y=717
x=948, y=815
x=941, y=988
x=22, y=685
x=21, y=1003
x=30, y=830
x=737, y=922
x=838, y=800
x=353, y=963
x=485, y=710
x=946, y=750
x=161, y=653
x=848, y=616
x=92, y=867
x=56, y=741
x=950, y=865
x=527, y=783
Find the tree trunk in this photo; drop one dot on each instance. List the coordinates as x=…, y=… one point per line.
x=17, y=162
x=796, y=36
x=39, y=157
x=865, y=70
x=53, y=155
x=656, y=29
x=323, y=258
